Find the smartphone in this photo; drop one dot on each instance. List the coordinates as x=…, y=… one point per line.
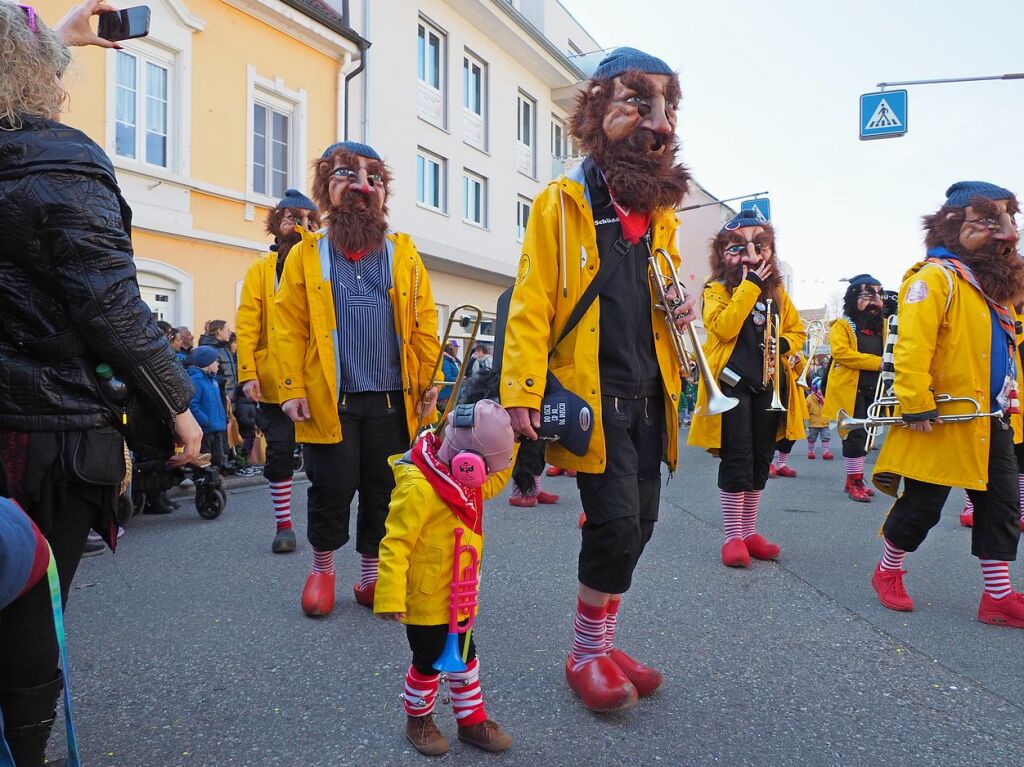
x=124, y=25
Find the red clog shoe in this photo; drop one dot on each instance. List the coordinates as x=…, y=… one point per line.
x=522, y=501
x=543, y=497
x=855, y=488
x=735, y=554
x=601, y=685
x=785, y=471
x=582, y=519
x=318, y=595
x=866, y=487
x=553, y=471
x=827, y=456
x=888, y=584
x=365, y=596
x=645, y=679
x=1022, y=524
x=967, y=518
x=1008, y=611
x=759, y=548
x=772, y=473
x=810, y=455
x=570, y=472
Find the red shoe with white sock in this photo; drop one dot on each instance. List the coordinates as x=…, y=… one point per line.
x=772, y=473
x=645, y=679
x=785, y=471
x=543, y=497
x=855, y=488
x=521, y=500
x=888, y=584
x=827, y=455
x=759, y=548
x=967, y=517
x=318, y=595
x=601, y=684
x=735, y=554
x=810, y=455
x=866, y=487
x=1008, y=611
x=364, y=594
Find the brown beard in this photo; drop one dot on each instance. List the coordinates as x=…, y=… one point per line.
x=640, y=180
x=733, y=276
x=272, y=226
x=286, y=243
x=355, y=226
x=1001, y=276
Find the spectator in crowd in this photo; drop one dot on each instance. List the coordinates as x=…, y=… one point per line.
x=71, y=301
x=482, y=359
x=450, y=365
x=207, y=404
x=187, y=339
x=218, y=335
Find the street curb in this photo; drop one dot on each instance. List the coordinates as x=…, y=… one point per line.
x=230, y=484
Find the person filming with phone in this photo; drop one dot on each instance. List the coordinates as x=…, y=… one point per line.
x=71, y=304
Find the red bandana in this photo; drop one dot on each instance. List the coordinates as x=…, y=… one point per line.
x=466, y=503
x=634, y=223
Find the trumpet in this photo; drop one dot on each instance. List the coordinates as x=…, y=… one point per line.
x=664, y=278
x=465, y=316
x=816, y=331
x=463, y=599
x=770, y=373
x=877, y=417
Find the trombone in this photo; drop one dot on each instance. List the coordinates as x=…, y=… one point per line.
x=770, y=373
x=877, y=417
x=463, y=317
x=664, y=278
x=816, y=331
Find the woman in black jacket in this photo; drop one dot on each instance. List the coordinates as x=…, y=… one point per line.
x=70, y=302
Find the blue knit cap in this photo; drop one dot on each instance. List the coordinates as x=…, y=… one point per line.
x=863, y=279
x=749, y=217
x=293, y=198
x=203, y=356
x=355, y=147
x=959, y=195
x=623, y=59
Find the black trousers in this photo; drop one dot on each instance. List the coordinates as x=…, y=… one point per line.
x=216, y=444
x=856, y=442
x=785, y=445
x=748, y=440
x=622, y=502
x=373, y=428
x=279, y=431
x=427, y=642
x=996, y=509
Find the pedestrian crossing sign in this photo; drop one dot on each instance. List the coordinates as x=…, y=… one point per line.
x=760, y=205
x=883, y=114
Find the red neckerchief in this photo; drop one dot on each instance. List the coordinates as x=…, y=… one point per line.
x=466, y=503
x=355, y=255
x=634, y=223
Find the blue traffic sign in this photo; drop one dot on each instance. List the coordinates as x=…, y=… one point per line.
x=883, y=115
x=761, y=205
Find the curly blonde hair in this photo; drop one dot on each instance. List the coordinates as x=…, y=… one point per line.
x=31, y=64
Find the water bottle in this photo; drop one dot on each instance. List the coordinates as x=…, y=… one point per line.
x=112, y=388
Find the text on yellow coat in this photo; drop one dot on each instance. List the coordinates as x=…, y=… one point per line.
x=724, y=315
x=559, y=260
x=307, y=332
x=255, y=327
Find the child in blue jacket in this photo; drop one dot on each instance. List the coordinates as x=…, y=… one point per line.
x=207, y=405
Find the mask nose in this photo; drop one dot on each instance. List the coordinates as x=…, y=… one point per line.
x=1007, y=232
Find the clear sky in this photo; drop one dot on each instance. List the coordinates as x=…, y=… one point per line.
x=770, y=101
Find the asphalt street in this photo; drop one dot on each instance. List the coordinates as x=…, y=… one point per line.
x=189, y=647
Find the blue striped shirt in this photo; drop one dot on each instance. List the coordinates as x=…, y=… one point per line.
x=367, y=340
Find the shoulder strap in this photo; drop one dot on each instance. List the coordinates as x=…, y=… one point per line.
x=604, y=273
x=947, y=271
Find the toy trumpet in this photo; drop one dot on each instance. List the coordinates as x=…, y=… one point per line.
x=463, y=599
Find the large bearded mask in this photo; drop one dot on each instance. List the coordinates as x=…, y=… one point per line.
x=984, y=236
x=864, y=304
x=737, y=251
x=282, y=223
x=352, y=192
x=627, y=125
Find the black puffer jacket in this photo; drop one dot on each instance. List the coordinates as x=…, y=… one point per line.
x=69, y=298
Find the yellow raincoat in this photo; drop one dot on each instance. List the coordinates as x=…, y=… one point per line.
x=417, y=554
x=559, y=259
x=847, y=363
x=307, y=332
x=939, y=350
x=254, y=327
x=724, y=315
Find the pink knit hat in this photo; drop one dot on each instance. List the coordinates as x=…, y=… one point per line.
x=483, y=428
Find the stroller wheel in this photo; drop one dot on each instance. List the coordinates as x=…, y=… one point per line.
x=210, y=502
x=297, y=460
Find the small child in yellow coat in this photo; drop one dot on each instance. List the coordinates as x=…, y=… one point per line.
x=817, y=426
x=440, y=485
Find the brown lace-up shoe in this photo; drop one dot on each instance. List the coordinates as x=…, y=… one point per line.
x=425, y=737
x=487, y=735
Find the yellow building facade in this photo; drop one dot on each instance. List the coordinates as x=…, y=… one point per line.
x=207, y=121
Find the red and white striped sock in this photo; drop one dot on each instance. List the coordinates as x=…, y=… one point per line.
x=610, y=622
x=968, y=506
x=281, y=495
x=467, y=697
x=589, y=632
x=323, y=561
x=780, y=459
x=997, y=577
x=751, y=502
x=1020, y=492
x=854, y=465
x=892, y=558
x=420, y=692
x=732, y=514
x=367, y=571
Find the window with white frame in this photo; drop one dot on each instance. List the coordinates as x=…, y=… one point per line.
x=474, y=101
x=558, y=137
x=526, y=133
x=430, y=180
x=430, y=70
x=142, y=124
x=271, y=149
x=522, y=217
x=474, y=198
